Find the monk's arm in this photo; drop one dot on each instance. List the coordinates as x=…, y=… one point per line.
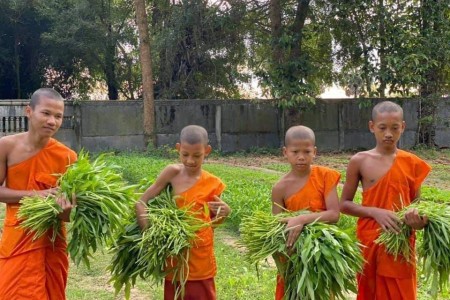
x=278, y=198
x=385, y=218
x=14, y=196
x=154, y=190
x=8, y=195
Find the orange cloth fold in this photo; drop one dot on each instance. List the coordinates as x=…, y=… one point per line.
x=194, y=290
x=202, y=262
x=384, y=277
x=311, y=197
x=39, y=274
x=49, y=275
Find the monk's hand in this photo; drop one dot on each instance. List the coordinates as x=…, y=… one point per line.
x=414, y=220
x=66, y=207
x=387, y=219
x=218, y=208
x=294, y=226
x=47, y=192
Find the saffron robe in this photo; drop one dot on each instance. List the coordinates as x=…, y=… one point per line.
x=311, y=197
x=34, y=269
x=202, y=262
x=383, y=277
x=194, y=290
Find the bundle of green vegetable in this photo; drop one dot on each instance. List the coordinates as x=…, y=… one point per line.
x=153, y=253
x=434, y=249
x=324, y=260
x=40, y=214
x=102, y=200
x=125, y=251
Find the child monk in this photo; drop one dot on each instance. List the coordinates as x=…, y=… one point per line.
x=28, y=163
x=305, y=187
x=196, y=186
x=390, y=179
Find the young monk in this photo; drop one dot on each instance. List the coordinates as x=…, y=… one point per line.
x=197, y=186
x=390, y=179
x=305, y=187
x=28, y=162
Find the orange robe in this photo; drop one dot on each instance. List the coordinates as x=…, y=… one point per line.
x=383, y=277
x=312, y=197
x=33, y=269
x=202, y=262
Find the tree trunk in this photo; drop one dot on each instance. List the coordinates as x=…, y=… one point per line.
x=382, y=50
x=297, y=28
x=110, y=70
x=428, y=96
x=147, y=76
x=275, y=26
x=17, y=61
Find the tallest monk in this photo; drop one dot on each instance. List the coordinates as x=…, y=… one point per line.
x=28, y=163
x=390, y=179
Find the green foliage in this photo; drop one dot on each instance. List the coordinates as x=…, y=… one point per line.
x=99, y=40
x=244, y=186
x=404, y=48
x=150, y=254
x=207, y=49
x=236, y=278
x=292, y=54
x=434, y=245
x=21, y=51
x=165, y=151
x=199, y=48
x=39, y=215
x=102, y=198
x=124, y=267
x=320, y=250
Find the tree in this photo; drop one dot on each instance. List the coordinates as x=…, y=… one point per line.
x=291, y=48
x=21, y=65
x=404, y=50
x=199, y=49
x=95, y=40
x=146, y=66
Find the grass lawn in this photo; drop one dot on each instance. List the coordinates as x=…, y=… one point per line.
x=249, y=179
x=236, y=278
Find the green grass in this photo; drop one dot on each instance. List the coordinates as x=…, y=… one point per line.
x=247, y=190
x=236, y=279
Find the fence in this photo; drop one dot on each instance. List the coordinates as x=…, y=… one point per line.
x=232, y=124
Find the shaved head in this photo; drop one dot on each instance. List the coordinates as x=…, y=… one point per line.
x=386, y=106
x=299, y=133
x=44, y=93
x=194, y=134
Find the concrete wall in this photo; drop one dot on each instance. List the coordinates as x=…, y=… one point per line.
x=110, y=125
x=233, y=125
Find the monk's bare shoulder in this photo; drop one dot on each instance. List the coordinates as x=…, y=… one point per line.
x=281, y=184
x=171, y=171
x=10, y=142
x=361, y=156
